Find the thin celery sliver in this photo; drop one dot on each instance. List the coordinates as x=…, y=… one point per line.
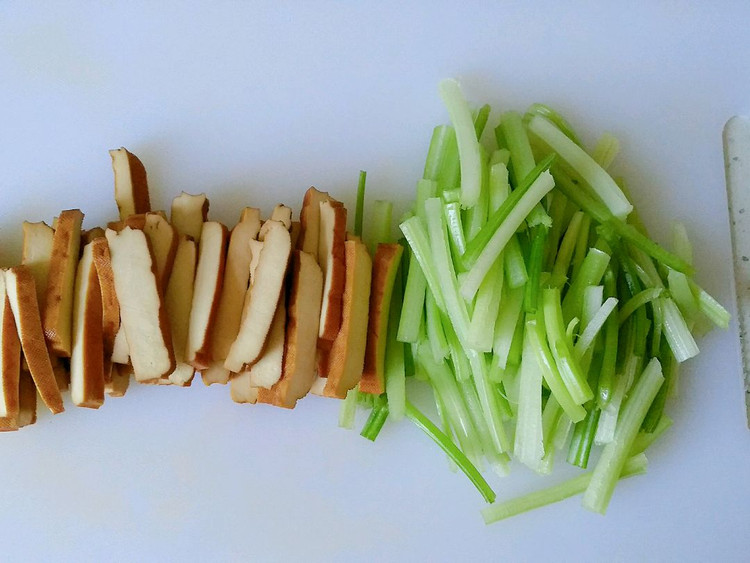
x=413, y=305
x=679, y=288
x=594, y=326
x=505, y=325
x=480, y=120
x=435, y=332
x=454, y=221
x=466, y=138
x=416, y=235
x=681, y=245
x=560, y=122
x=534, y=267
x=515, y=267
x=636, y=465
x=436, y=154
x=639, y=300
x=676, y=332
x=615, y=454
x=529, y=439
x=606, y=150
x=360, y=208
x=348, y=409
x=395, y=369
x=644, y=439
x=591, y=272
x=565, y=253
x=482, y=323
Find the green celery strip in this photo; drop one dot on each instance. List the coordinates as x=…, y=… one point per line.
x=535, y=333
x=639, y=300
x=476, y=246
x=591, y=272
x=348, y=409
x=482, y=324
x=557, y=211
x=644, y=439
x=455, y=227
x=446, y=426
x=606, y=150
x=670, y=367
x=560, y=122
x=636, y=465
x=413, y=306
x=461, y=366
x=360, y=209
x=452, y=196
x=499, y=238
x=536, y=257
x=609, y=356
x=676, y=331
x=435, y=332
x=476, y=216
x=380, y=224
x=489, y=400
x=581, y=246
x=550, y=419
x=514, y=264
x=480, y=120
x=437, y=151
x=499, y=187
x=615, y=454
x=583, y=439
x=681, y=245
x=458, y=457
x=565, y=253
x=712, y=309
x=376, y=420
x=395, y=369
x=529, y=440
x=594, y=326
x=416, y=235
x=679, y=288
x=466, y=138
x=505, y=326
x=586, y=167
x=516, y=346
x=567, y=364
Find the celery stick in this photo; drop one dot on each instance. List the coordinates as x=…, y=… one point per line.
x=636, y=465
x=425, y=190
x=615, y=454
x=549, y=369
x=455, y=227
x=656, y=411
x=557, y=213
x=592, y=328
x=514, y=354
x=489, y=401
x=565, y=253
x=416, y=235
x=360, y=209
x=413, y=306
x=480, y=120
x=639, y=300
x=539, y=236
x=446, y=427
x=712, y=309
x=469, y=394
x=435, y=332
x=644, y=440
x=466, y=138
x=583, y=439
x=499, y=188
x=439, y=142
x=476, y=216
x=550, y=419
x=482, y=324
x=529, y=440
x=606, y=150
x=591, y=273
x=514, y=264
x=489, y=253
x=461, y=366
x=681, y=242
x=451, y=196
x=679, y=288
x=581, y=246
x=458, y=457
x=450, y=171
x=562, y=431
x=560, y=122
x=609, y=356
x=505, y=326
x=500, y=155
x=376, y=420
x=395, y=370
x=577, y=159
x=348, y=409
x=676, y=331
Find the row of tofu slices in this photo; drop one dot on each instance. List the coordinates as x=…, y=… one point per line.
x=276, y=309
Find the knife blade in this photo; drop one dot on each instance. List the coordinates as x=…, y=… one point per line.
x=737, y=168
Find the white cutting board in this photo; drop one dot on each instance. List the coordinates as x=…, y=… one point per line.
x=253, y=103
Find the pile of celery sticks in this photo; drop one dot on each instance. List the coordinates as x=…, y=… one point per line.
x=533, y=301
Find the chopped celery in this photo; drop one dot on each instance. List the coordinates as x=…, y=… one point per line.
x=559, y=121
x=476, y=216
x=681, y=242
x=441, y=136
x=615, y=454
x=395, y=370
x=435, y=332
x=581, y=246
x=482, y=324
x=380, y=224
x=515, y=267
x=606, y=150
x=594, y=326
x=557, y=213
x=565, y=253
x=480, y=120
x=455, y=227
x=583, y=439
x=348, y=409
x=591, y=272
x=679, y=288
x=413, y=305
x=639, y=300
x=360, y=208
x=644, y=440
x=505, y=325
x=609, y=355
x=377, y=419
x=534, y=267
x=466, y=138
x=713, y=310
x=636, y=465
x=676, y=331
x=416, y=235
x=499, y=188
x=529, y=439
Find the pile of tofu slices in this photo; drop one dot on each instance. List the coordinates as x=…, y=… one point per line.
x=276, y=308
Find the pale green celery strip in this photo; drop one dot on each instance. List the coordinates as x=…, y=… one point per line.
x=482, y=324
x=380, y=224
x=426, y=189
x=551, y=374
x=445, y=273
x=577, y=159
x=712, y=308
x=645, y=267
x=676, y=331
x=593, y=298
x=511, y=303
x=468, y=146
x=567, y=364
x=489, y=400
x=581, y=246
x=416, y=235
x=413, y=305
x=348, y=409
x=469, y=394
x=529, y=439
x=450, y=167
x=395, y=371
x=560, y=122
x=445, y=426
x=516, y=274
x=455, y=227
x=452, y=196
x=476, y=216
x=595, y=326
x=360, y=207
x=511, y=381
x=507, y=229
x=500, y=155
x=636, y=465
x=657, y=328
x=436, y=153
x=435, y=333
x=591, y=273
x=614, y=456
x=550, y=418
x=606, y=150
x=562, y=432
x=681, y=245
x=644, y=440
x=480, y=119
x=638, y=300
x=460, y=362
x=565, y=253
x=679, y=288
x=556, y=212
x=499, y=188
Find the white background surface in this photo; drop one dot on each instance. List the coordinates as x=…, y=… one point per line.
x=253, y=103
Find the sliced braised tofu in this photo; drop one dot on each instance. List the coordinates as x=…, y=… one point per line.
x=332, y=260
x=120, y=349
x=87, y=357
x=10, y=357
x=163, y=238
x=142, y=310
x=179, y=299
x=37, y=255
x=21, y=291
x=110, y=304
x=131, y=184
x=267, y=370
x=294, y=231
x=26, y=400
x=189, y=212
x=303, y=313
x=347, y=355
x=241, y=390
x=309, y=219
x=118, y=384
x=280, y=213
x=262, y=298
x=57, y=316
x=385, y=265
x=209, y=278
x=236, y=281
